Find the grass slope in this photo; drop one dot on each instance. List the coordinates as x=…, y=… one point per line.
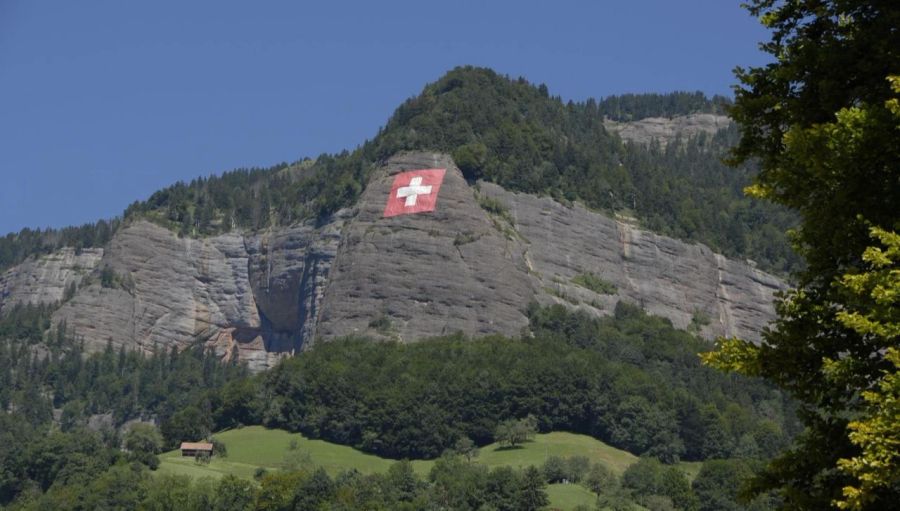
x=569, y=496
x=254, y=447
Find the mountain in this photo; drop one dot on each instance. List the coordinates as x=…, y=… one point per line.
x=472, y=265
x=542, y=201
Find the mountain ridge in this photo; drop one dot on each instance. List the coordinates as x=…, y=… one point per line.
x=502, y=130
x=472, y=266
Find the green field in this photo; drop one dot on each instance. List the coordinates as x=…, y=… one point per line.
x=253, y=447
x=567, y=496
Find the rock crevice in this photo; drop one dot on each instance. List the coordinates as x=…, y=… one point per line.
x=260, y=296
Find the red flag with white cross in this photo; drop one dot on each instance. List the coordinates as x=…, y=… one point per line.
x=414, y=191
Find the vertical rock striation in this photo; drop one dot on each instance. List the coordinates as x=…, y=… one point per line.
x=260, y=296
x=45, y=279
x=686, y=283
x=413, y=276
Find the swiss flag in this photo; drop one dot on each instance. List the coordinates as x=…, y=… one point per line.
x=414, y=191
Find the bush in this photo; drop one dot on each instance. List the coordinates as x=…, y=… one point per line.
x=554, y=469
x=596, y=284
x=219, y=448
x=511, y=433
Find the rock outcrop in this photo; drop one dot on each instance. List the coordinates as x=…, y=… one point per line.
x=247, y=296
x=260, y=296
x=665, y=129
x=412, y=276
x=45, y=279
x=686, y=283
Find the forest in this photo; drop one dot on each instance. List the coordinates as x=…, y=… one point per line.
x=499, y=129
x=631, y=380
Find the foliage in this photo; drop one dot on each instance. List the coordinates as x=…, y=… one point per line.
x=717, y=486
x=595, y=283
x=632, y=381
x=466, y=448
x=143, y=443
x=219, y=447
x=503, y=130
x=649, y=478
x=632, y=107
x=822, y=121
x=16, y=247
x=512, y=433
x=26, y=322
x=872, y=309
x=179, y=388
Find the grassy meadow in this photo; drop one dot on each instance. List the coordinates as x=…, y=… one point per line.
x=255, y=447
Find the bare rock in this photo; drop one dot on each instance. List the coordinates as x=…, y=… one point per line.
x=179, y=291
x=414, y=276
x=289, y=268
x=258, y=297
x=45, y=279
x=168, y=290
x=665, y=129
x=680, y=281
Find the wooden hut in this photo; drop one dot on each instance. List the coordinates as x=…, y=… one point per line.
x=192, y=449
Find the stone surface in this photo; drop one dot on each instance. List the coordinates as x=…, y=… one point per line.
x=424, y=274
x=288, y=272
x=665, y=276
x=261, y=296
x=665, y=129
x=44, y=279
x=206, y=290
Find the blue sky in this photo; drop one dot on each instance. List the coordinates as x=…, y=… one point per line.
x=104, y=102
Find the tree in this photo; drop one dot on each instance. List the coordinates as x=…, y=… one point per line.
x=601, y=480
x=219, y=447
x=277, y=490
x=873, y=308
x=144, y=442
x=403, y=481
x=718, y=482
x=502, y=489
x=234, y=494
x=533, y=495
x=189, y=424
x=466, y=448
x=513, y=432
x=554, y=469
x=822, y=120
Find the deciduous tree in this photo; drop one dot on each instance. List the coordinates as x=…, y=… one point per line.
x=823, y=121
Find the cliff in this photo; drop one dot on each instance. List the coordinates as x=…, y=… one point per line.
x=463, y=267
x=665, y=129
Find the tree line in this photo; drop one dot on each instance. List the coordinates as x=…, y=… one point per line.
x=503, y=130
x=633, y=107
x=631, y=380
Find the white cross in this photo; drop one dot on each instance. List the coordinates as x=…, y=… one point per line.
x=412, y=191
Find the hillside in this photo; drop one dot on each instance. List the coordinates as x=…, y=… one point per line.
x=471, y=266
x=505, y=131
x=253, y=448
x=259, y=263
x=630, y=380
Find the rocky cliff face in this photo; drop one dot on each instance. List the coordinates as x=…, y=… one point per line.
x=686, y=283
x=665, y=129
x=46, y=279
x=260, y=296
x=253, y=296
x=414, y=276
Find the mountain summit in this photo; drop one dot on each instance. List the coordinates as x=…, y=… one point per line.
x=537, y=201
